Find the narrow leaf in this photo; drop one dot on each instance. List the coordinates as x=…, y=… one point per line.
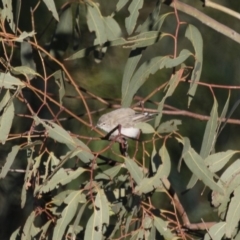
x=96, y=24
x=134, y=170
x=55, y=131
x=7, y=118
x=51, y=7
x=131, y=21
x=8, y=81
x=196, y=164
x=9, y=161
x=193, y=34
x=162, y=227
x=217, y=161
x=233, y=214
x=67, y=214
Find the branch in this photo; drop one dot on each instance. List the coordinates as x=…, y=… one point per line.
x=210, y=22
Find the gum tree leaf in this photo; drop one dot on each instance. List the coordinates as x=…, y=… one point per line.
x=96, y=24
x=61, y=177
x=130, y=22
x=145, y=39
x=152, y=21
x=91, y=231
x=25, y=70
x=217, y=161
x=149, y=184
x=7, y=117
x=81, y=150
x=109, y=173
x=216, y=232
x=27, y=60
x=29, y=224
x=171, y=87
x=162, y=227
x=134, y=170
x=67, y=214
x=145, y=127
x=208, y=139
x=24, y=35
x=7, y=13
x=193, y=34
x=55, y=131
x=59, y=77
x=210, y=131
x=129, y=69
x=121, y=4
x=112, y=29
x=9, y=161
x=51, y=7
x=102, y=211
x=169, y=126
x=233, y=213
x=151, y=67
x=8, y=81
x=197, y=166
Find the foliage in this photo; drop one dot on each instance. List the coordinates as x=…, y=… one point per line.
x=83, y=193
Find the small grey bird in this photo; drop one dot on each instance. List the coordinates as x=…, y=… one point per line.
x=126, y=118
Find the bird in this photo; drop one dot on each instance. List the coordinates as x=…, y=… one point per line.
x=123, y=121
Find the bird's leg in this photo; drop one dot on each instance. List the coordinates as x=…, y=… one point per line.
x=123, y=145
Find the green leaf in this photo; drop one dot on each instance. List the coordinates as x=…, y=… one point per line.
x=210, y=132
x=96, y=23
x=151, y=67
x=208, y=139
x=45, y=228
x=134, y=170
x=169, y=126
x=152, y=22
x=51, y=7
x=7, y=13
x=102, y=211
x=7, y=117
x=145, y=128
x=113, y=31
x=149, y=184
x=59, y=77
x=29, y=225
x=25, y=70
x=145, y=39
x=131, y=21
x=61, y=177
x=91, y=232
x=233, y=214
x=193, y=34
x=197, y=166
x=9, y=161
x=121, y=4
x=67, y=214
x=15, y=235
x=109, y=173
x=162, y=227
x=27, y=60
x=129, y=69
x=24, y=35
x=8, y=81
x=55, y=131
x=171, y=87
x=81, y=150
x=216, y=232
x=217, y=161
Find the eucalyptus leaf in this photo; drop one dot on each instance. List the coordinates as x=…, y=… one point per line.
x=193, y=34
